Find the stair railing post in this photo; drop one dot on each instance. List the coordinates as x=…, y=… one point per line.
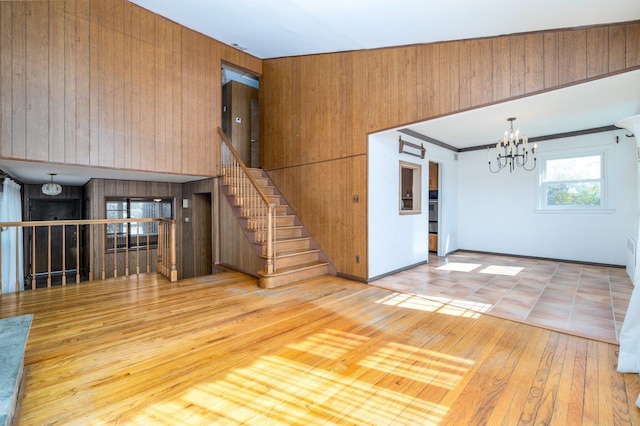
x=174, y=272
x=270, y=266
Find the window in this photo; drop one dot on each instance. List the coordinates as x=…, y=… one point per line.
x=573, y=182
x=410, y=188
x=132, y=235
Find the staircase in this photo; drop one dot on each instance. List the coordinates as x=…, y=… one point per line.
x=296, y=256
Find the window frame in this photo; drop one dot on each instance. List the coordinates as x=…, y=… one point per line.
x=132, y=241
x=543, y=183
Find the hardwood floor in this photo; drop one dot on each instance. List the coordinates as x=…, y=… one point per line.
x=220, y=350
x=585, y=300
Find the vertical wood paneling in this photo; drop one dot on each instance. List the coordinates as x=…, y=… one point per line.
x=56, y=79
x=517, y=65
x=616, y=48
x=100, y=82
x=6, y=78
x=106, y=96
x=551, y=61
x=633, y=44
x=176, y=146
x=501, y=68
x=147, y=91
x=534, y=62
x=37, y=78
x=572, y=54
x=597, y=51
x=83, y=92
x=133, y=152
x=449, y=74
x=70, y=76
x=160, y=86
x=119, y=81
x=427, y=72
x=127, y=99
x=481, y=90
x=464, y=94
x=94, y=83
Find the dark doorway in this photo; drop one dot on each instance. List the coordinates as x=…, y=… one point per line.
x=49, y=243
x=202, y=235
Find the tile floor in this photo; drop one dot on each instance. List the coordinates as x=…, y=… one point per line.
x=585, y=300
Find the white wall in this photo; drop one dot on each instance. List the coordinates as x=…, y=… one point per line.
x=397, y=241
x=497, y=212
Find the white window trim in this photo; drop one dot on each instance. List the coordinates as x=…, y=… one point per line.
x=605, y=206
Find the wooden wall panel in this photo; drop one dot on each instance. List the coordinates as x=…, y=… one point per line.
x=534, y=62
x=386, y=88
x=6, y=79
x=518, y=66
x=449, y=78
x=616, y=48
x=501, y=68
x=69, y=89
x=327, y=185
x=464, y=89
x=481, y=87
x=632, y=44
x=106, y=83
x=427, y=71
x=236, y=251
x=572, y=54
x=37, y=90
x=56, y=81
x=597, y=51
x=83, y=93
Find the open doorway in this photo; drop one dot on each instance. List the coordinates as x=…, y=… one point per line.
x=241, y=113
x=203, y=238
x=434, y=211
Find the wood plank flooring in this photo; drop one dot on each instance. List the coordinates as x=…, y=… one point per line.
x=220, y=350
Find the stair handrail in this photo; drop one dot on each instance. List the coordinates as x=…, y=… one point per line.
x=270, y=226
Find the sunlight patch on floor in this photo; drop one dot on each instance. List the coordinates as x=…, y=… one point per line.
x=331, y=344
x=458, y=267
x=502, y=270
x=416, y=364
x=441, y=305
x=278, y=390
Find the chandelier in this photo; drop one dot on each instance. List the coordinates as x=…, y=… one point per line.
x=51, y=188
x=512, y=151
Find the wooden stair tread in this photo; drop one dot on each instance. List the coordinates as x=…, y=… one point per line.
x=292, y=269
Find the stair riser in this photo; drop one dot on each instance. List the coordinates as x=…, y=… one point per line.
x=288, y=246
x=298, y=259
x=267, y=190
x=277, y=281
x=280, y=221
x=241, y=201
x=285, y=233
x=249, y=211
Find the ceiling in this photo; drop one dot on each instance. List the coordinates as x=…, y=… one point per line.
x=276, y=28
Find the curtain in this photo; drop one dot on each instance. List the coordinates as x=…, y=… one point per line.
x=12, y=259
x=629, y=355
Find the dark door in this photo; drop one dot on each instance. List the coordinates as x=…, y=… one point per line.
x=202, y=234
x=52, y=245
